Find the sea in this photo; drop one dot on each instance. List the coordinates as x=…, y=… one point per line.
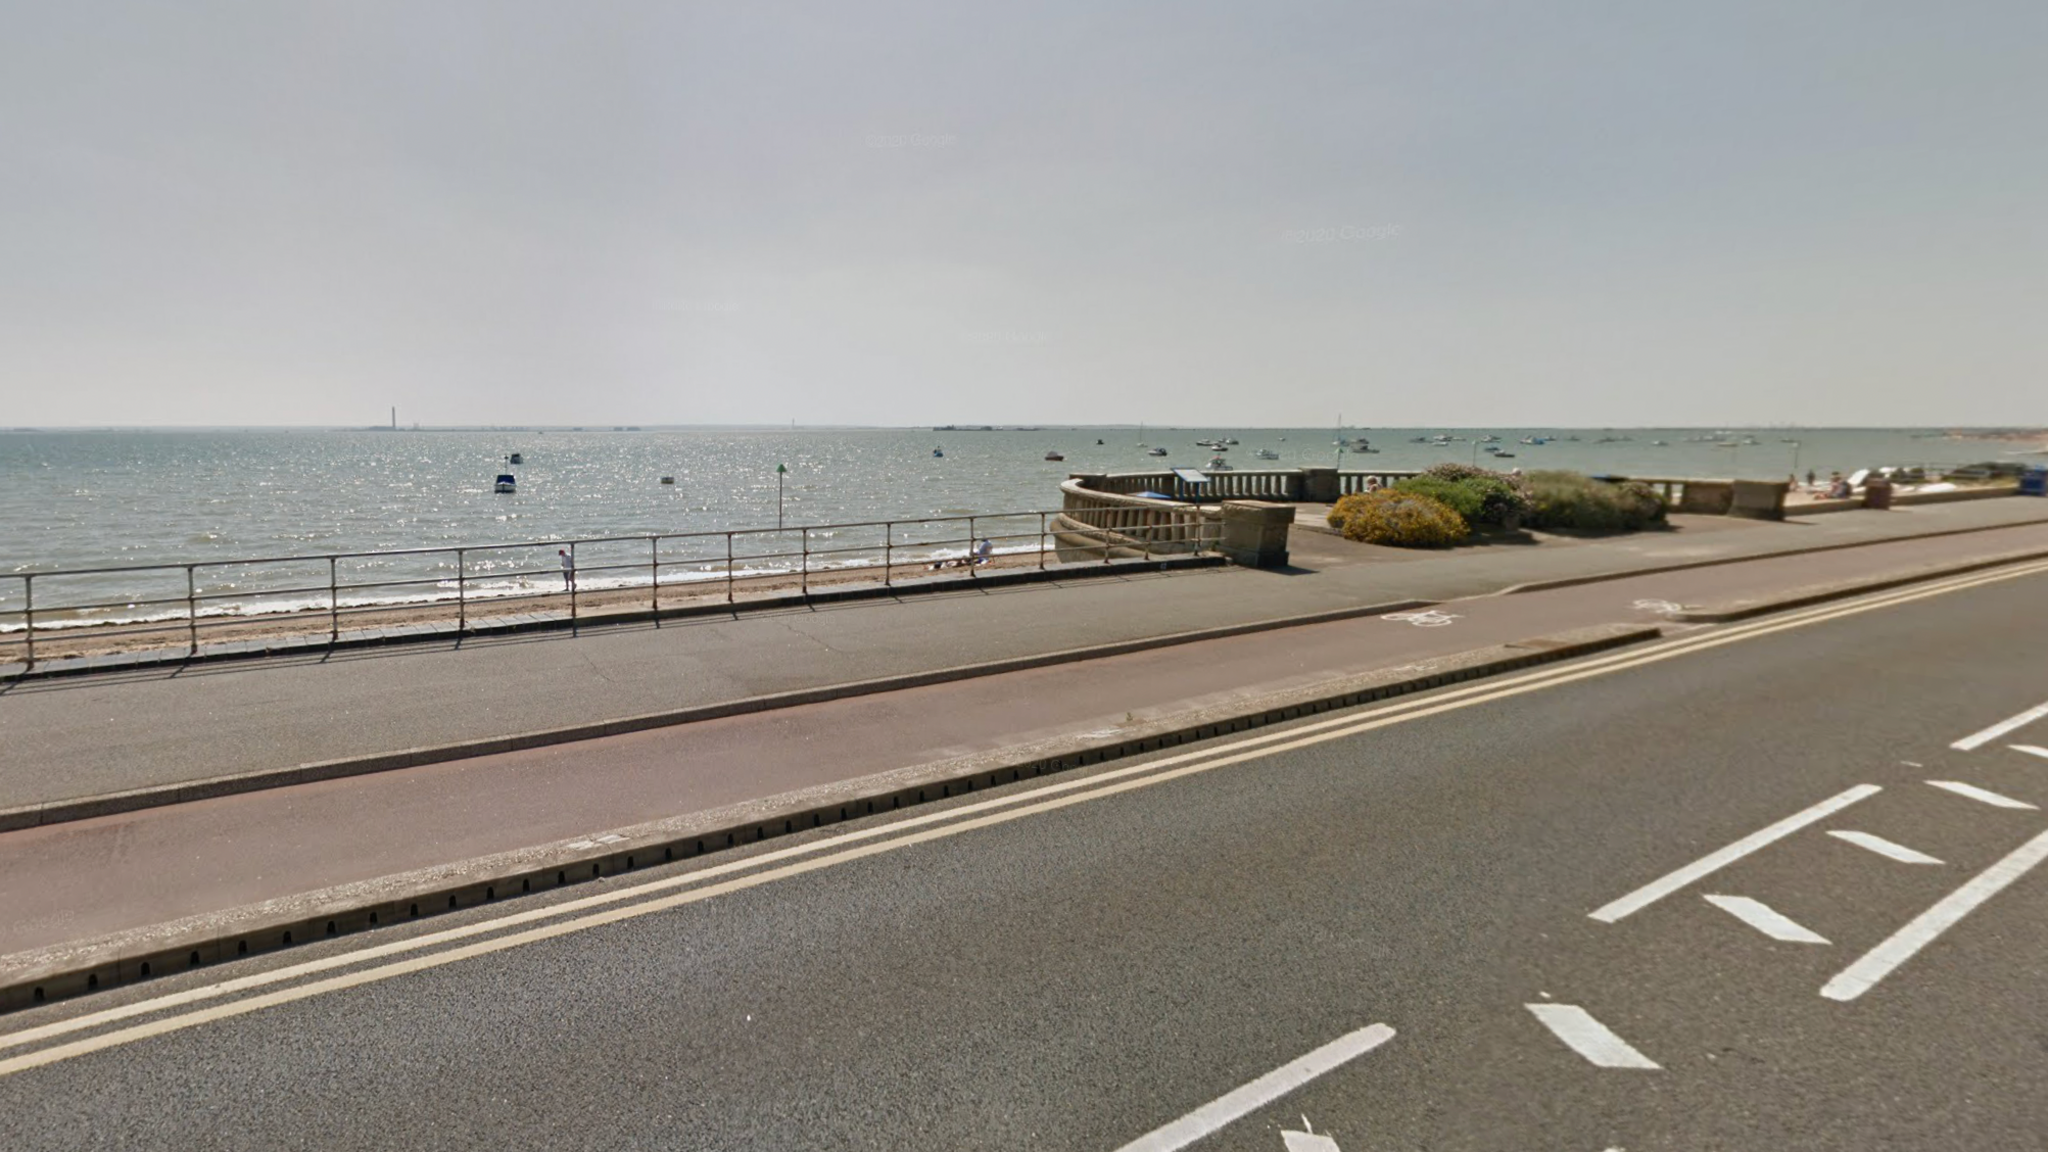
x=99, y=499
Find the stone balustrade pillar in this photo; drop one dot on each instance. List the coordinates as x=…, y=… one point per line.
x=1321, y=485
x=1255, y=532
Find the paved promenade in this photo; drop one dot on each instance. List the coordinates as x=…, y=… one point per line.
x=96, y=735
x=87, y=878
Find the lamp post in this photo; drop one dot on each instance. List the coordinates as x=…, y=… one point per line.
x=780, y=471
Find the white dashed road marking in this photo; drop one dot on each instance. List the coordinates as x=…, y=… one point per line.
x=1982, y=796
x=1657, y=889
x=1589, y=1037
x=1970, y=743
x=1766, y=919
x=1266, y=1089
x=1884, y=847
x=1900, y=946
x=2030, y=749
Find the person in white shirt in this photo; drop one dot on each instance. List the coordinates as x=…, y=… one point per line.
x=568, y=569
x=983, y=549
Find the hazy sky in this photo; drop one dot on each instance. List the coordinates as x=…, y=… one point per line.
x=1416, y=213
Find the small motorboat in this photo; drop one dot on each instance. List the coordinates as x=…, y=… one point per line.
x=668, y=479
x=505, y=483
x=936, y=454
x=1054, y=456
x=1098, y=441
x=515, y=458
x=1219, y=464
x=1155, y=452
x=1266, y=454
x=1503, y=455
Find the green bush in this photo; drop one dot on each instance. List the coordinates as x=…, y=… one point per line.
x=1574, y=500
x=1480, y=496
x=1461, y=496
x=1398, y=518
x=1455, y=471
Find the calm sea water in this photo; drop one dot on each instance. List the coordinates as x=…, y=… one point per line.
x=94, y=499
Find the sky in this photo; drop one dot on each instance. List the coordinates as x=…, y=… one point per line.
x=1426, y=213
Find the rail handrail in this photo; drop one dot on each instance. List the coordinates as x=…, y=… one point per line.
x=670, y=559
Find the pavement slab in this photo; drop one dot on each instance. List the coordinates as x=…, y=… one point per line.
x=115, y=732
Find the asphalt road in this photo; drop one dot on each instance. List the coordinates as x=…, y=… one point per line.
x=1087, y=961
x=97, y=735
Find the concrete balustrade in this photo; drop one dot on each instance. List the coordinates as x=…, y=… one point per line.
x=1241, y=512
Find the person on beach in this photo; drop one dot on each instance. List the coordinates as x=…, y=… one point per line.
x=1372, y=483
x=1838, y=487
x=1809, y=478
x=983, y=549
x=568, y=569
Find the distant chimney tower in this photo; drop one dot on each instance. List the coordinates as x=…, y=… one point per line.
x=394, y=417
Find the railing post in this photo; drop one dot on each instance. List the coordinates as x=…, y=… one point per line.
x=572, y=585
x=461, y=592
x=972, y=540
x=191, y=610
x=654, y=578
x=1041, y=541
x=728, y=567
x=804, y=580
x=28, y=615
x=888, y=550
x=333, y=606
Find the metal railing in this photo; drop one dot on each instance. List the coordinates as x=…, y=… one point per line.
x=303, y=595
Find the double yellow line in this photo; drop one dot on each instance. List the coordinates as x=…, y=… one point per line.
x=218, y=1001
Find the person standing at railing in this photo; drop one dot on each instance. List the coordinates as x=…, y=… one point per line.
x=983, y=548
x=568, y=569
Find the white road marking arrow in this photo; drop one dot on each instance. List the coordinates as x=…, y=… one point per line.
x=1884, y=847
x=1589, y=1037
x=1766, y=919
x=1309, y=1141
x=1981, y=795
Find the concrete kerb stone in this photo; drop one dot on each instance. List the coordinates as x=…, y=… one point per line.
x=87, y=807
x=1844, y=589
x=515, y=624
x=65, y=970
x=1624, y=574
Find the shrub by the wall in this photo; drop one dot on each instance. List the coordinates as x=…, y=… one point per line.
x=1402, y=519
x=1479, y=495
x=1574, y=500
